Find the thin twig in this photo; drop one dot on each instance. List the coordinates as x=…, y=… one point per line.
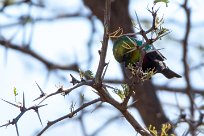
x=107, y=15
x=70, y=115
x=185, y=56
x=48, y=64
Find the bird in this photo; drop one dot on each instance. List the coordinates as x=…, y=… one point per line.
x=154, y=60
x=125, y=51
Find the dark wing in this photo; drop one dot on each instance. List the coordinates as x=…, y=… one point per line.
x=154, y=60
x=156, y=55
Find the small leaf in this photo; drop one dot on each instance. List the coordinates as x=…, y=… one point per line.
x=126, y=89
x=158, y=21
x=119, y=93
x=123, y=92
x=148, y=74
x=152, y=130
x=164, y=130
x=164, y=1
x=88, y=74
x=162, y=31
x=15, y=91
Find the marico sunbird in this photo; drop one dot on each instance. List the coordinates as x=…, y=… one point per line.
x=125, y=51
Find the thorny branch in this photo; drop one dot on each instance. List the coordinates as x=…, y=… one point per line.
x=155, y=28
x=23, y=110
x=98, y=82
x=70, y=115
x=67, y=91
x=102, y=91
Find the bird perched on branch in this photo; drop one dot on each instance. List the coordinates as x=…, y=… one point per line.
x=126, y=50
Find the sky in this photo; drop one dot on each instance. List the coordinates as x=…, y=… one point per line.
x=63, y=42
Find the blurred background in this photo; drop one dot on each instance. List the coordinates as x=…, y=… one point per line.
x=45, y=41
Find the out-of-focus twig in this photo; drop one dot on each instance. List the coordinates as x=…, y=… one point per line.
x=185, y=55
x=49, y=65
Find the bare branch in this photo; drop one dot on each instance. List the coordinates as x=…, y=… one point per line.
x=49, y=65
x=23, y=110
x=101, y=65
x=70, y=115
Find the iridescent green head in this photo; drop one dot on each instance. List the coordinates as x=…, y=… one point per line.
x=125, y=49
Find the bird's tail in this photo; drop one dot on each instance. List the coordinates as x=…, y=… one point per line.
x=168, y=73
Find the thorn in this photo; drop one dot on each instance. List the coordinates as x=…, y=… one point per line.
x=22, y=108
x=106, y=65
x=11, y=103
x=23, y=101
x=99, y=52
x=74, y=80
x=36, y=110
x=39, y=106
x=42, y=93
x=157, y=10
x=16, y=129
x=6, y=124
x=109, y=86
x=138, y=21
x=39, y=88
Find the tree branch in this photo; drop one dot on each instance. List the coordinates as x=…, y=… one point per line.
x=70, y=115
x=185, y=57
x=49, y=65
x=107, y=15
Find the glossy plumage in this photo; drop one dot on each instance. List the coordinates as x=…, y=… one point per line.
x=124, y=51
x=155, y=60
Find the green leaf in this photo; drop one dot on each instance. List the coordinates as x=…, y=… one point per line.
x=164, y=1
x=159, y=21
x=123, y=92
x=126, y=89
x=148, y=74
x=88, y=74
x=15, y=91
x=164, y=130
x=153, y=130
x=120, y=93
